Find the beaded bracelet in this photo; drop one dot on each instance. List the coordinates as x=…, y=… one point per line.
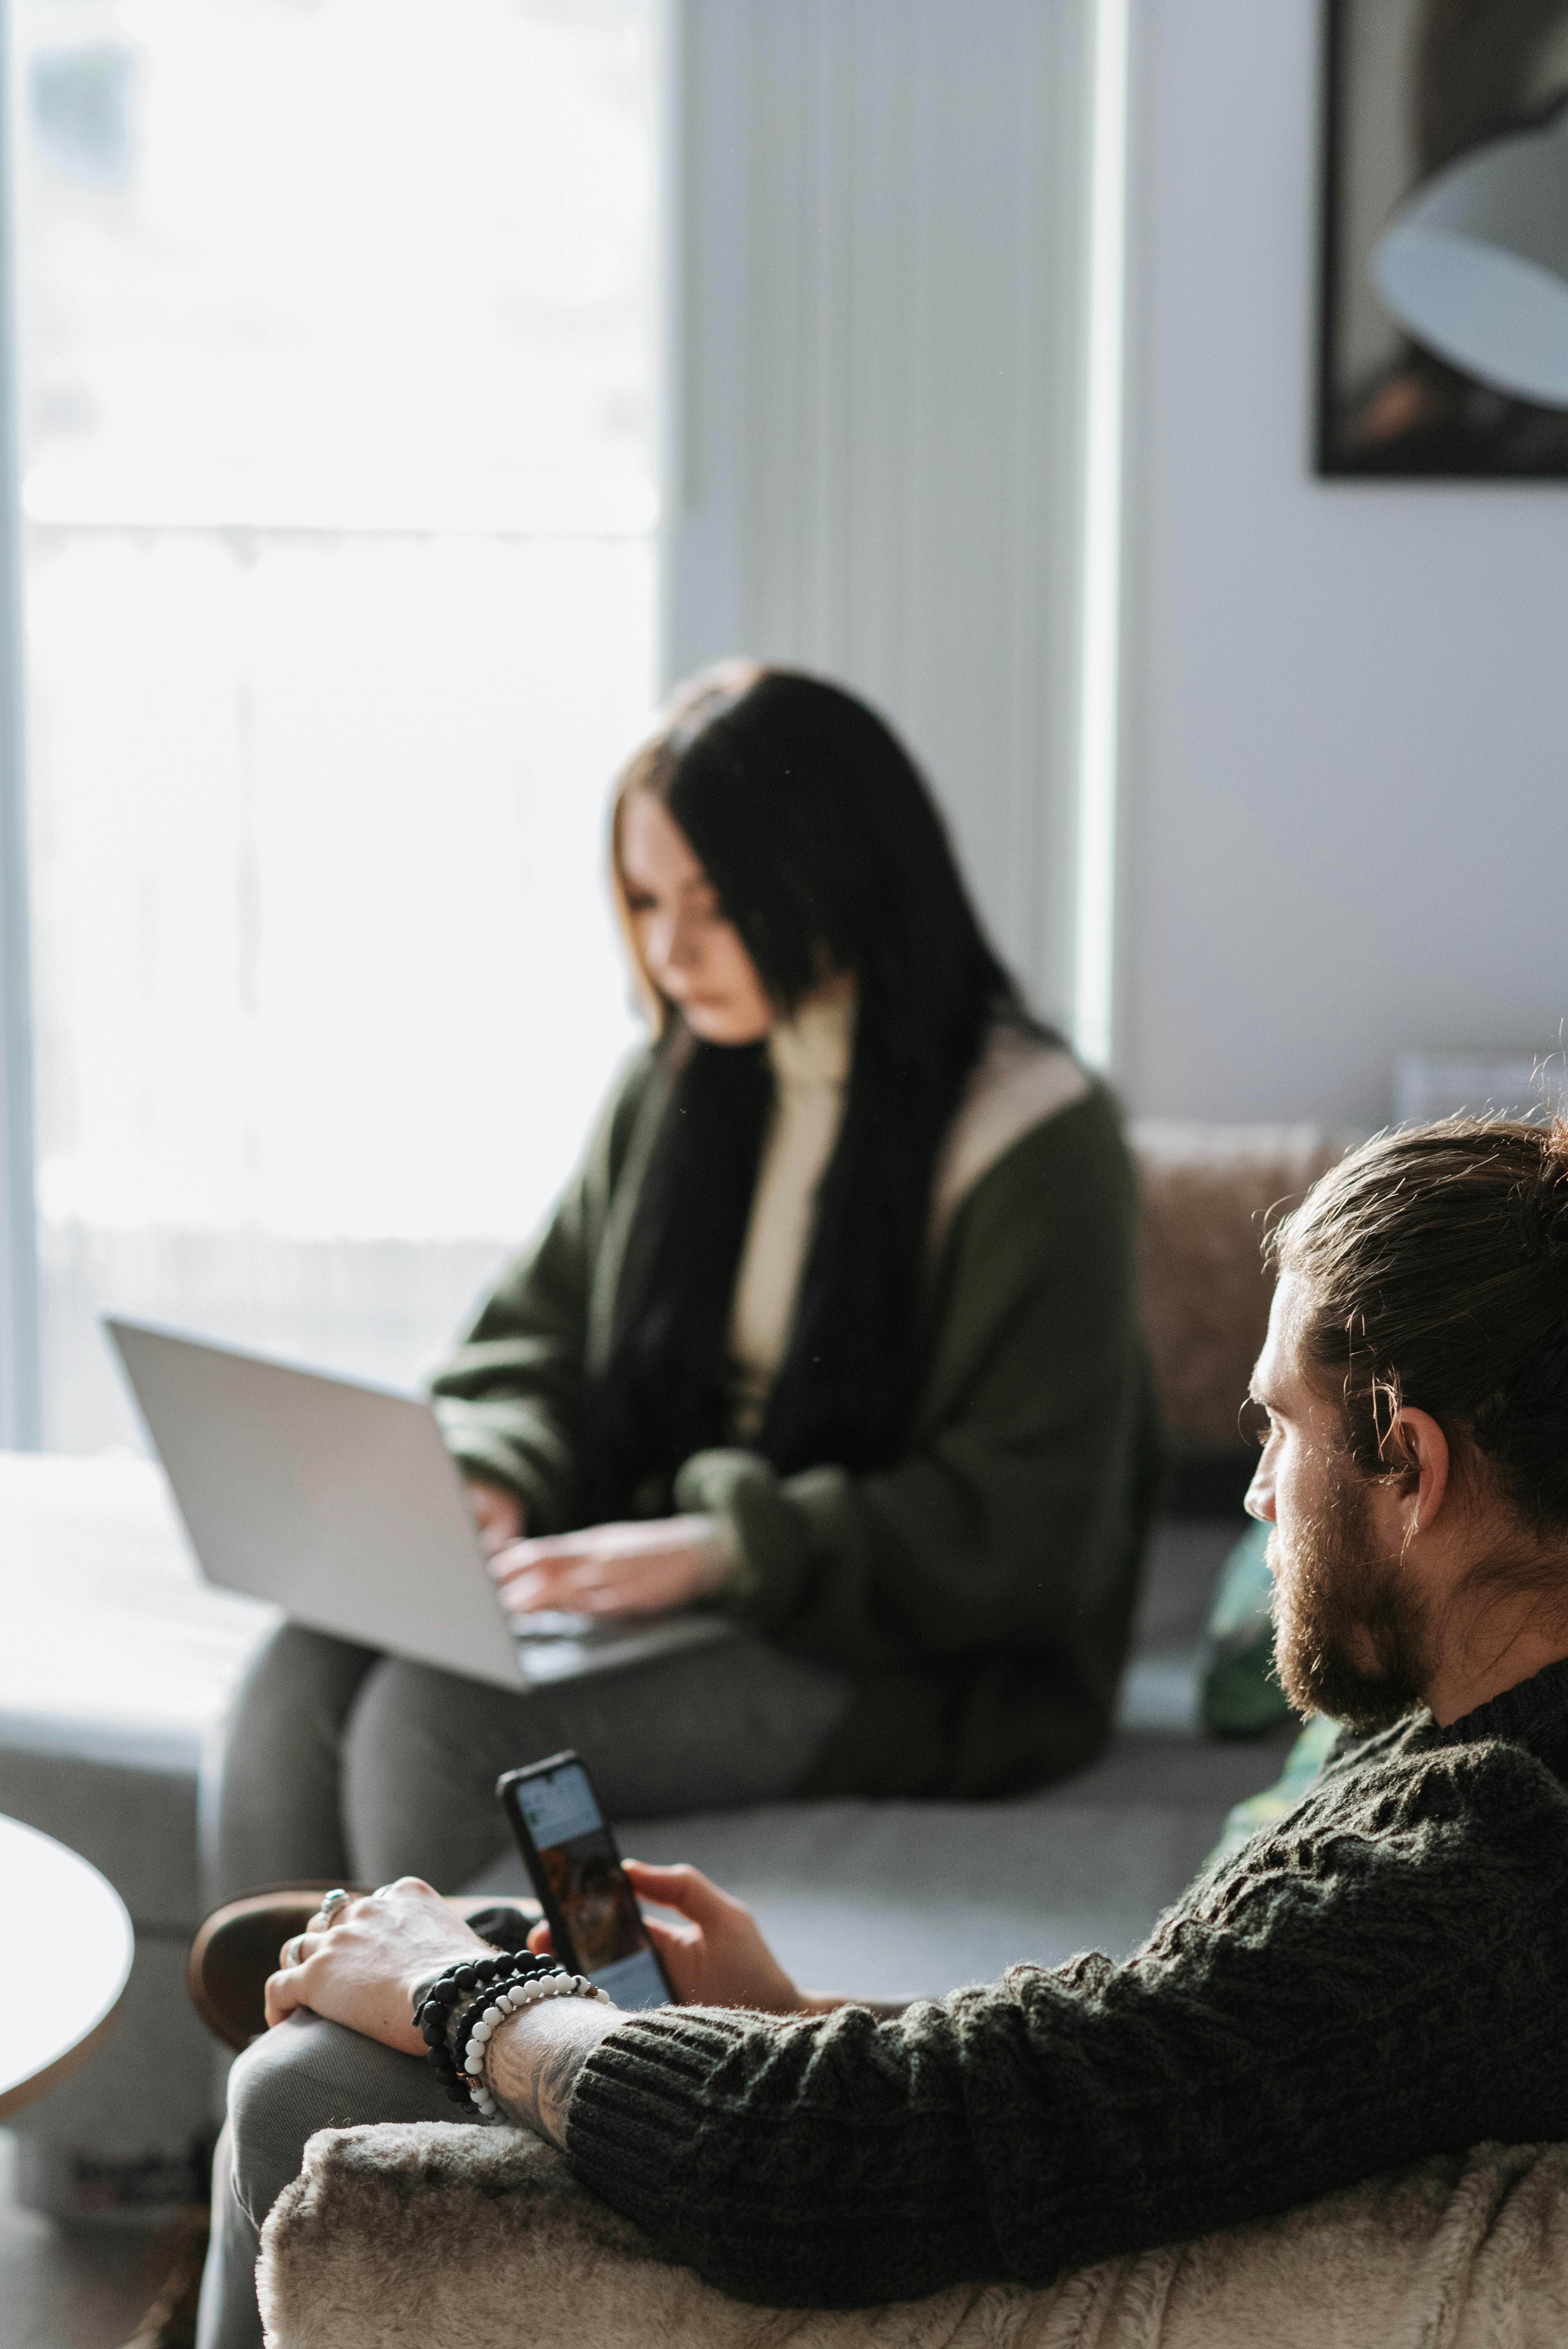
x=507, y=1999
x=441, y=1998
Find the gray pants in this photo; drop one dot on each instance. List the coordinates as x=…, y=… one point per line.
x=305, y=2075
x=337, y=1763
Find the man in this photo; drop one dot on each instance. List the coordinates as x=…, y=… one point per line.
x=1383, y=1976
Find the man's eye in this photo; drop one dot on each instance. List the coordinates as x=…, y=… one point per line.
x=639, y=902
x=1254, y=1423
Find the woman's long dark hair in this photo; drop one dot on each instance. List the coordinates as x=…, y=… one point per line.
x=828, y=856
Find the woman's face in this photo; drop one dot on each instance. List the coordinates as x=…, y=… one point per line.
x=689, y=951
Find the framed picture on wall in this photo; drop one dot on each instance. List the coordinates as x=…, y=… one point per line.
x=1412, y=87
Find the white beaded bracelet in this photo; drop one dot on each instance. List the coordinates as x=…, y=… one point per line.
x=509, y=2002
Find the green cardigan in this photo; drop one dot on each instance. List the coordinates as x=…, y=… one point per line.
x=981, y=1590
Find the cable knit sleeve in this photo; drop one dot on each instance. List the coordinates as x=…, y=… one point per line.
x=1383, y=1977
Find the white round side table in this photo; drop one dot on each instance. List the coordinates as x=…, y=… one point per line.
x=65, y=1947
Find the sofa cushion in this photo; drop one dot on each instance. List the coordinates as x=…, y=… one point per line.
x=443, y=2236
x=1208, y=1192
x=908, y=1900
x=116, y=1660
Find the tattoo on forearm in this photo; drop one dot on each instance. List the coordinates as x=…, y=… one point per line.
x=535, y=2064
x=554, y=2082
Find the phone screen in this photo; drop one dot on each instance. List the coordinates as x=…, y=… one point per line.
x=582, y=1867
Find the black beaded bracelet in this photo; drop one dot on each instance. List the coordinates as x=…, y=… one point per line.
x=455, y=1989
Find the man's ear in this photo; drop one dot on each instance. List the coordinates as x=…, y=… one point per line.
x=1417, y=1451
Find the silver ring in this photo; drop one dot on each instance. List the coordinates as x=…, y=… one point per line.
x=289, y=1955
x=331, y=1903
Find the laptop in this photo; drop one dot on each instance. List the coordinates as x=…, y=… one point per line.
x=340, y=1504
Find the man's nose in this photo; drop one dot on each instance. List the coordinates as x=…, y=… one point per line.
x=1260, y=1500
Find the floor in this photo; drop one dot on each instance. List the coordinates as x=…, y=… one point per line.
x=61, y=2290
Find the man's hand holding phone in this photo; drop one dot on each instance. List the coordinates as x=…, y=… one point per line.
x=714, y=1956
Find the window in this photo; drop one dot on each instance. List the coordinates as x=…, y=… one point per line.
x=335, y=381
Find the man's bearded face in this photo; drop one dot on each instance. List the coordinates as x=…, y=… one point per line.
x=1350, y=1636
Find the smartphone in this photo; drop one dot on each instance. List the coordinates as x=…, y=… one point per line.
x=575, y=1867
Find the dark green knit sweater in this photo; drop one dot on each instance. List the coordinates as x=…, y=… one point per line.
x=1382, y=1976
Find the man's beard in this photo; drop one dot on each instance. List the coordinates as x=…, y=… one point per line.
x=1350, y=1637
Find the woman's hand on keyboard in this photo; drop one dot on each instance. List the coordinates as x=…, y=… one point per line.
x=644, y=1568
x=498, y=1514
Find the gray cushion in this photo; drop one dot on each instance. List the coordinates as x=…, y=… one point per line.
x=906, y=1900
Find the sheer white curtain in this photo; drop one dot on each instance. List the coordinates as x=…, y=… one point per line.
x=335, y=357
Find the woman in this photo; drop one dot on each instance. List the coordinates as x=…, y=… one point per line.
x=833, y=1332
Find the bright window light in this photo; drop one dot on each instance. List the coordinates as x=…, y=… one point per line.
x=335, y=334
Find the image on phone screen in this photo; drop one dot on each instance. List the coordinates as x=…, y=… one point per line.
x=582, y=1867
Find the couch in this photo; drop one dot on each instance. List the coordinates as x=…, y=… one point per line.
x=445, y=2236
x=119, y=1661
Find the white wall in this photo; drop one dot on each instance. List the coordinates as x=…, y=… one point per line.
x=873, y=471
x=1345, y=793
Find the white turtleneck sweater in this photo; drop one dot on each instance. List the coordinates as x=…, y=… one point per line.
x=1018, y=1080
x=810, y=1056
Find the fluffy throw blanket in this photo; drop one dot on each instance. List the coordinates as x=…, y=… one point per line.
x=437, y=2236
